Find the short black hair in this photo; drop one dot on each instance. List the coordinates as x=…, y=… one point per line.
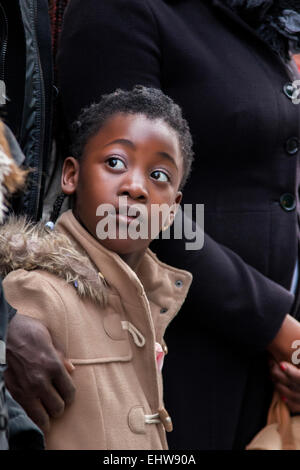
x=150, y=102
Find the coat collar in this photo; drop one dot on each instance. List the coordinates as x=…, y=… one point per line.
x=72, y=254
x=153, y=279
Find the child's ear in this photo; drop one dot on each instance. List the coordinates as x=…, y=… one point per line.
x=178, y=198
x=175, y=206
x=70, y=174
x=173, y=211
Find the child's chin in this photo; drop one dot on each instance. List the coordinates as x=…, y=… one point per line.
x=127, y=246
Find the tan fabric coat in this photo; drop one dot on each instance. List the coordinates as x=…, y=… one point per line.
x=107, y=319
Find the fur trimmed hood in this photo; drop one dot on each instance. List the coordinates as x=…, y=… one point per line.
x=29, y=246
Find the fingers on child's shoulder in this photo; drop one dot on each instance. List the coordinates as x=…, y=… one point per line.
x=278, y=375
x=290, y=397
x=290, y=370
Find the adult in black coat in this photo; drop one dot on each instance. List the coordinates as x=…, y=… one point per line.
x=236, y=93
x=217, y=62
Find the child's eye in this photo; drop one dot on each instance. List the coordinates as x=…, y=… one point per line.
x=116, y=163
x=160, y=176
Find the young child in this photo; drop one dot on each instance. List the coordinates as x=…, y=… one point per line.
x=107, y=302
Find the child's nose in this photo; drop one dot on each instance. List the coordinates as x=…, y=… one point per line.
x=134, y=186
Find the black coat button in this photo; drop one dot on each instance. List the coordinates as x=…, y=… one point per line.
x=55, y=91
x=292, y=145
x=288, y=202
x=289, y=90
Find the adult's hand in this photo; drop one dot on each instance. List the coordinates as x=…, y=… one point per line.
x=286, y=378
x=38, y=376
x=282, y=347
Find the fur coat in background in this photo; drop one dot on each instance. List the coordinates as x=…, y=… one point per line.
x=276, y=21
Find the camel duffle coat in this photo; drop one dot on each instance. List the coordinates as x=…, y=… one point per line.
x=107, y=319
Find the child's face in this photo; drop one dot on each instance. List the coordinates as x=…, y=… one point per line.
x=130, y=156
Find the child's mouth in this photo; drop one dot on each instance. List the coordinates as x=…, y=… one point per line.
x=123, y=217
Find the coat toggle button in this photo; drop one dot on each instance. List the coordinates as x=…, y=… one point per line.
x=165, y=419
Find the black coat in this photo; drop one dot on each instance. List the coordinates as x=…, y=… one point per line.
x=231, y=87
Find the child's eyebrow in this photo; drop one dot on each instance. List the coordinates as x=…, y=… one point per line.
x=168, y=157
x=121, y=141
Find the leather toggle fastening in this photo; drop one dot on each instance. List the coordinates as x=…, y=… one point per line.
x=165, y=419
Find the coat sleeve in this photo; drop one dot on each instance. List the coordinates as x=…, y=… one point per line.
x=31, y=294
x=110, y=44
x=228, y=298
